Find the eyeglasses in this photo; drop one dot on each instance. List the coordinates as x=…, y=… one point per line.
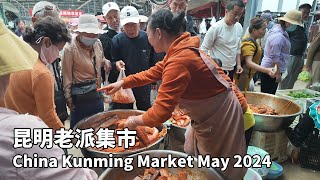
x=47, y=8
x=236, y=14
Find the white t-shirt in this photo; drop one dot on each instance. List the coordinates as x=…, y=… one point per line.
x=223, y=42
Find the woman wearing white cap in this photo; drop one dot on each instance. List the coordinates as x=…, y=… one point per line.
x=277, y=50
x=82, y=60
x=131, y=50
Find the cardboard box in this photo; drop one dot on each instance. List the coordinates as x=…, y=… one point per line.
x=275, y=143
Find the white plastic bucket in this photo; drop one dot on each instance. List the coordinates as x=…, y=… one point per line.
x=252, y=175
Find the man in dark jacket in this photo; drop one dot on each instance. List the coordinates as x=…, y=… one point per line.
x=299, y=40
x=111, y=13
x=131, y=50
x=182, y=5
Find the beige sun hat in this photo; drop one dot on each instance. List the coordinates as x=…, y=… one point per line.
x=89, y=23
x=143, y=18
x=293, y=17
x=15, y=54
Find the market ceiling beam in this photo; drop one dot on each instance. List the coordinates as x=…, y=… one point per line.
x=83, y=4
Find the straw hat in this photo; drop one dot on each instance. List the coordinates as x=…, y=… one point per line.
x=293, y=17
x=15, y=54
x=89, y=23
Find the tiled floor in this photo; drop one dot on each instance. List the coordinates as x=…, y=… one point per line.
x=291, y=172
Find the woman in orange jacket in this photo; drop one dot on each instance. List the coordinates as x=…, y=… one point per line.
x=192, y=80
x=33, y=91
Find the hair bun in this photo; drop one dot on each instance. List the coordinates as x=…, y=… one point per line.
x=28, y=35
x=166, y=20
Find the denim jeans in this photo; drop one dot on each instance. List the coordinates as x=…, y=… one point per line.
x=85, y=109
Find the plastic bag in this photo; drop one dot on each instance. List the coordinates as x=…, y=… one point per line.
x=153, y=93
x=124, y=96
x=107, y=98
x=305, y=76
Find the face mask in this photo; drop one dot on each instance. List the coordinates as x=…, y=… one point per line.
x=270, y=25
x=50, y=54
x=291, y=28
x=88, y=41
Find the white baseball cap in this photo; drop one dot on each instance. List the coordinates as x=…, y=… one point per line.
x=43, y=5
x=108, y=7
x=129, y=14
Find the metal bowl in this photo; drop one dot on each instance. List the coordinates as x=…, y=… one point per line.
x=269, y=123
x=197, y=173
x=92, y=122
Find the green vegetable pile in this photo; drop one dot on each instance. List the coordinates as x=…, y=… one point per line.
x=302, y=95
x=305, y=76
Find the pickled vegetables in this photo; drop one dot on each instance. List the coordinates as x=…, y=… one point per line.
x=180, y=118
x=262, y=109
x=302, y=95
x=305, y=76
x=162, y=174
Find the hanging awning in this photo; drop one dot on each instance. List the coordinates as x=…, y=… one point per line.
x=207, y=8
x=10, y=7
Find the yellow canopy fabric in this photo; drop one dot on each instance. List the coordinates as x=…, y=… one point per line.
x=15, y=54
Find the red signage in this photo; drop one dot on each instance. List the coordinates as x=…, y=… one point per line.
x=66, y=13
x=71, y=13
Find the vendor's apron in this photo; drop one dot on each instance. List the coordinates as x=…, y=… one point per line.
x=217, y=125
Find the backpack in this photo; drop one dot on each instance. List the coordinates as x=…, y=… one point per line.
x=255, y=52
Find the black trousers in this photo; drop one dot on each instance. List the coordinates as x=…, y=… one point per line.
x=268, y=84
x=230, y=73
x=248, y=134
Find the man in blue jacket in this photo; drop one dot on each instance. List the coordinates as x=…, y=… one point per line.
x=131, y=50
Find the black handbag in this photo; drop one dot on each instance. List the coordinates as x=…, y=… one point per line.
x=59, y=99
x=61, y=107
x=86, y=91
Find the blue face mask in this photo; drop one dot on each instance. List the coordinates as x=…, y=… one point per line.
x=291, y=28
x=270, y=25
x=88, y=41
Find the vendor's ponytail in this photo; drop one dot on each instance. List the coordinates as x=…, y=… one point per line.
x=179, y=22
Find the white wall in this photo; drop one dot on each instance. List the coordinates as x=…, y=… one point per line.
x=271, y=5
x=286, y=5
